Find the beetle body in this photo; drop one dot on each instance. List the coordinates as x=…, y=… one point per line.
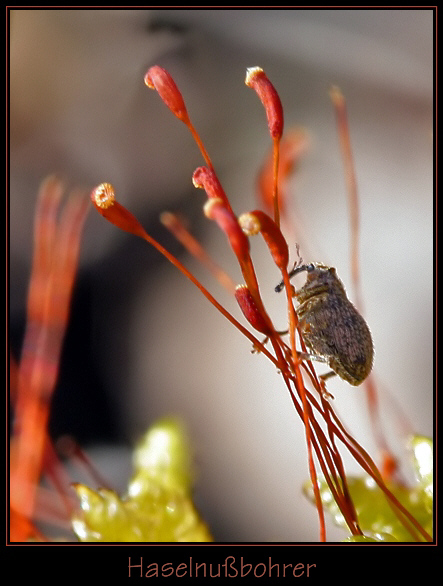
x=331, y=326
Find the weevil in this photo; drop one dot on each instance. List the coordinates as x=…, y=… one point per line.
x=332, y=328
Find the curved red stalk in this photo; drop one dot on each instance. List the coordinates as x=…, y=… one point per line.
x=56, y=252
x=161, y=80
x=322, y=450
x=339, y=103
x=174, y=224
x=257, y=79
x=252, y=223
x=292, y=146
x=293, y=321
x=276, y=150
x=351, y=184
x=366, y=463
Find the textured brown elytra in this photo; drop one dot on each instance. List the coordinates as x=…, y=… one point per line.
x=332, y=328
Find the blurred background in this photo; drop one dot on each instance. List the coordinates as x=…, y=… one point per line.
x=143, y=342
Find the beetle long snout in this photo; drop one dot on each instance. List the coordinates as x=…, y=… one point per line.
x=294, y=271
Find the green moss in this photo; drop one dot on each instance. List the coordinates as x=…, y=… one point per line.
x=376, y=517
x=158, y=506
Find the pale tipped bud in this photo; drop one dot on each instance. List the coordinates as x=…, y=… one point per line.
x=160, y=80
x=257, y=79
x=103, y=195
x=257, y=221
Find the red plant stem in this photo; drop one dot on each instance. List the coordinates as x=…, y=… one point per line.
x=173, y=223
x=293, y=321
x=276, y=152
x=159, y=79
x=200, y=144
x=339, y=103
x=219, y=209
x=130, y=224
x=365, y=461
x=291, y=148
x=338, y=462
x=325, y=466
x=128, y=220
x=252, y=223
x=272, y=236
x=367, y=464
x=332, y=462
x=257, y=79
x=307, y=416
x=56, y=251
x=343, y=500
x=351, y=184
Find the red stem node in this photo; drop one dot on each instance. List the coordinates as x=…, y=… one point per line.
x=160, y=80
x=257, y=79
x=257, y=221
x=250, y=310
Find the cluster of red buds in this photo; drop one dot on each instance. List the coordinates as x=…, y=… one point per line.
x=310, y=406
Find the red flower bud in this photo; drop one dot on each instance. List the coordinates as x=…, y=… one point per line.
x=257, y=221
x=103, y=198
x=204, y=178
x=216, y=210
x=257, y=79
x=159, y=79
x=250, y=310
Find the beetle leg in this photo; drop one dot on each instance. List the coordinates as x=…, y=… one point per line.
x=315, y=357
x=327, y=374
